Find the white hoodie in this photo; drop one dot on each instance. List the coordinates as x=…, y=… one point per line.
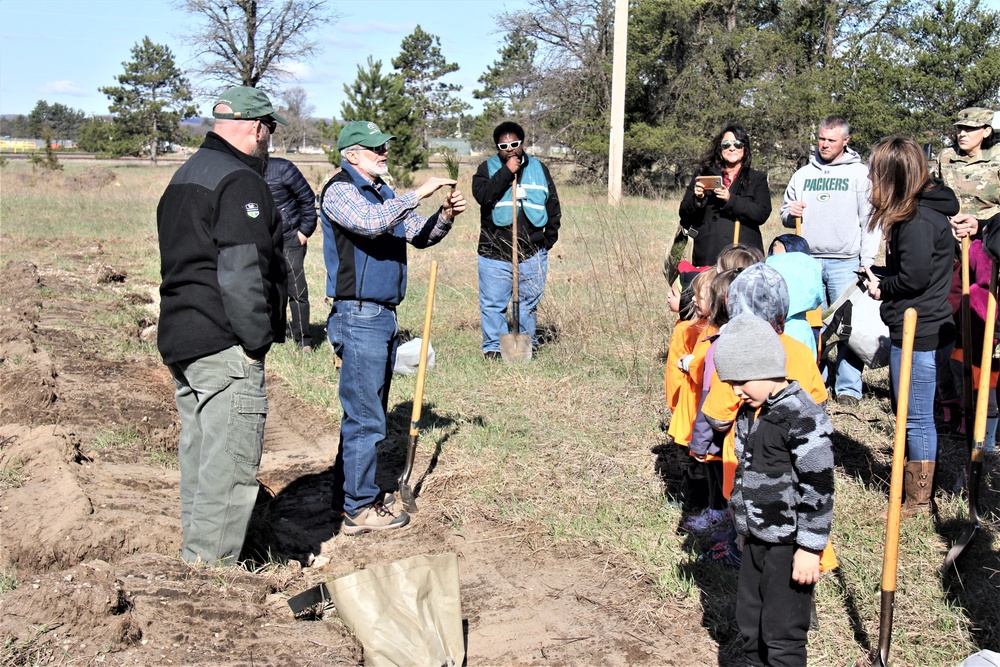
x=835, y=219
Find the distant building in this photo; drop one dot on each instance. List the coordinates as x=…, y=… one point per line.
x=459, y=146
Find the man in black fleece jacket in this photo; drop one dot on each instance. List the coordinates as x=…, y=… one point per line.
x=222, y=305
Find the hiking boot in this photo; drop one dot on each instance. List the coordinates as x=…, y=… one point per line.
x=707, y=521
x=374, y=517
x=848, y=401
x=492, y=355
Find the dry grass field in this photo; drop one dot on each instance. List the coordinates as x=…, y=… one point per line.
x=552, y=480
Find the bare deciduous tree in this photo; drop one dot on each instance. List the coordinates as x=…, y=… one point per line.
x=253, y=42
x=297, y=111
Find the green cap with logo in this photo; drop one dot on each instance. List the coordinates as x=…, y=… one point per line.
x=974, y=117
x=362, y=133
x=247, y=104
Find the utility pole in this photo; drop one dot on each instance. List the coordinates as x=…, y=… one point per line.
x=616, y=145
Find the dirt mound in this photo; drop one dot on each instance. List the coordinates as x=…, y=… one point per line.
x=91, y=527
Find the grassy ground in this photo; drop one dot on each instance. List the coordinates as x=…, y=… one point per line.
x=571, y=447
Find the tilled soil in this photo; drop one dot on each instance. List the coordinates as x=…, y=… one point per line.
x=91, y=528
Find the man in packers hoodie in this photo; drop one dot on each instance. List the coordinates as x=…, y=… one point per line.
x=830, y=194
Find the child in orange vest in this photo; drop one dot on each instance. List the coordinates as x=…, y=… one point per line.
x=683, y=378
x=706, y=443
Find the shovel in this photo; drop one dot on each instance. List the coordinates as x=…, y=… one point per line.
x=515, y=348
x=890, y=557
x=979, y=435
x=968, y=401
x=405, y=492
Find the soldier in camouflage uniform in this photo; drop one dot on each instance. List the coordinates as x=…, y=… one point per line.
x=782, y=500
x=973, y=170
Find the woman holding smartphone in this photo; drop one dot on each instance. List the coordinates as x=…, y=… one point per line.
x=725, y=194
x=913, y=210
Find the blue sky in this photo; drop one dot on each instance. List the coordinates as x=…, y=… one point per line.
x=64, y=50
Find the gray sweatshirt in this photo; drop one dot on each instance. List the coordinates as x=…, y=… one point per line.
x=835, y=219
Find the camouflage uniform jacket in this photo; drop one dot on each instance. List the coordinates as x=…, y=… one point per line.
x=976, y=181
x=783, y=492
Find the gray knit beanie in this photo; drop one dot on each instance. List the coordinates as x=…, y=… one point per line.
x=759, y=290
x=749, y=349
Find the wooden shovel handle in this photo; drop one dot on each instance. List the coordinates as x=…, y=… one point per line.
x=968, y=397
x=516, y=305
x=891, y=555
x=418, y=394
x=985, y=366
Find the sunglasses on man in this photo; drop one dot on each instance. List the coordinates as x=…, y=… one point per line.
x=512, y=145
x=269, y=123
x=733, y=144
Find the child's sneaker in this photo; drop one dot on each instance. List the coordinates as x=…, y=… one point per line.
x=724, y=553
x=706, y=521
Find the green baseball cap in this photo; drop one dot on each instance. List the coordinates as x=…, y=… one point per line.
x=974, y=117
x=362, y=133
x=247, y=104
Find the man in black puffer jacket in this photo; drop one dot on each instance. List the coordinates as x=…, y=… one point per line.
x=296, y=201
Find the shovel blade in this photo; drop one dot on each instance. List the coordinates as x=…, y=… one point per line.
x=407, y=498
x=515, y=348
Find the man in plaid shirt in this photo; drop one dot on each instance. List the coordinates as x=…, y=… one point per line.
x=365, y=231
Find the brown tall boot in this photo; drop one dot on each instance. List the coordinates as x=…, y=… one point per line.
x=918, y=488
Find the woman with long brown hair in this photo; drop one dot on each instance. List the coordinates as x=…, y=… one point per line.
x=913, y=210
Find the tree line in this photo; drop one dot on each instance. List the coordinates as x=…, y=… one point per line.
x=775, y=66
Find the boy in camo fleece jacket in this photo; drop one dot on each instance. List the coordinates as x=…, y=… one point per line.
x=782, y=501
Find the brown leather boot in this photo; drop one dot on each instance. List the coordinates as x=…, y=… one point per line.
x=918, y=488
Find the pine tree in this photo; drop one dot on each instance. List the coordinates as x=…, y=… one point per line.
x=509, y=87
x=421, y=65
x=381, y=99
x=151, y=99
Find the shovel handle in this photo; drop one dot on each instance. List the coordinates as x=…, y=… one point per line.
x=890, y=557
x=516, y=299
x=968, y=397
x=418, y=394
x=798, y=225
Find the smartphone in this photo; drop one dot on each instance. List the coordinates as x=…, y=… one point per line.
x=709, y=182
x=862, y=278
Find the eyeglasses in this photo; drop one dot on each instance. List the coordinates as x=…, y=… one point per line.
x=269, y=123
x=732, y=144
x=378, y=150
x=511, y=146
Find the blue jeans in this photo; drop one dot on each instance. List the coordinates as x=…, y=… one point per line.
x=921, y=435
x=838, y=275
x=364, y=336
x=222, y=406
x=496, y=290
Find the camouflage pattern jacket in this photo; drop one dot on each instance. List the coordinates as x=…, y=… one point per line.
x=976, y=181
x=783, y=492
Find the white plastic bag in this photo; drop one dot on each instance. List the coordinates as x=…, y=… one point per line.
x=854, y=319
x=408, y=357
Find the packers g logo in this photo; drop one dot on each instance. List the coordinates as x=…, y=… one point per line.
x=823, y=197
